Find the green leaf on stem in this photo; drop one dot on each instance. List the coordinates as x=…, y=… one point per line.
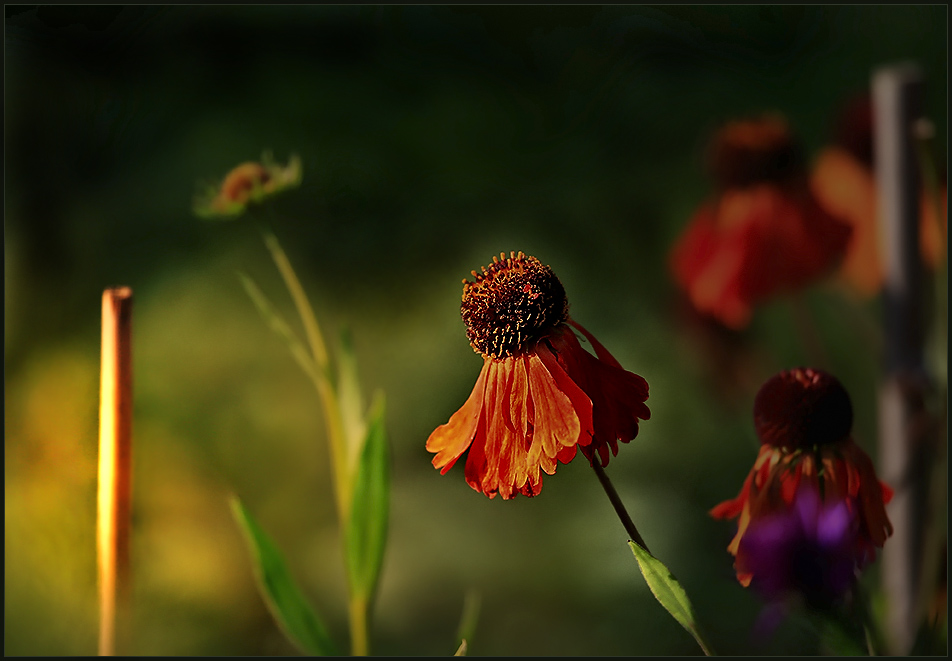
x=669, y=593
x=370, y=505
x=286, y=602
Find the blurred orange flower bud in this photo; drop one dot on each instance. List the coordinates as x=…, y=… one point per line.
x=247, y=183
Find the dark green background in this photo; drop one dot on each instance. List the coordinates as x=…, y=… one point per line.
x=432, y=137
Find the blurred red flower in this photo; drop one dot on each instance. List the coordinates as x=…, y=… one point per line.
x=763, y=233
x=804, y=418
x=540, y=395
x=843, y=181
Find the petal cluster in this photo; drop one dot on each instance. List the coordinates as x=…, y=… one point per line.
x=803, y=421
x=762, y=234
x=536, y=403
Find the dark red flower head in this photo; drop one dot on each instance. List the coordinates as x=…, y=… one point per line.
x=511, y=303
x=802, y=408
x=804, y=418
x=540, y=396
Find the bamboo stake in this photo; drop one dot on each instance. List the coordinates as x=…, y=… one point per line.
x=115, y=463
x=897, y=92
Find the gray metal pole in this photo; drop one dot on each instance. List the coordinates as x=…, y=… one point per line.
x=897, y=99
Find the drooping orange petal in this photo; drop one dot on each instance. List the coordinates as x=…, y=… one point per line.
x=557, y=420
x=496, y=428
x=475, y=466
x=497, y=461
x=518, y=420
x=617, y=395
x=732, y=508
x=450, y=440
x=871, y=496
x=503, y=453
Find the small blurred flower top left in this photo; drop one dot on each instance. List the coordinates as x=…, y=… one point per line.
x=248, y=183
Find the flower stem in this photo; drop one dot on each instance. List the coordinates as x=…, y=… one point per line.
x=324, y=382
x=343, y=477
x=358, y=626
x=617, y=504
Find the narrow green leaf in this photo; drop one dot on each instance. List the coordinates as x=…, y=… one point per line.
x=287, y=604
x=349, y=400
x=669, y=593
x=370, y=505
x=279, y=326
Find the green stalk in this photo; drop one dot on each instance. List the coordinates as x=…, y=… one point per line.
x=343, y=479
x=322, y=380
x=358, y=626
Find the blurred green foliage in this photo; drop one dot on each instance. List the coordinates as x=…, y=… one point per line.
x=432, y=138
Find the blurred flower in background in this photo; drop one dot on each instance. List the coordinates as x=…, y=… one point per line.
x=804, y=419
x=763, y=234
x=247, y=183
x=843, y=180
x=540, y=396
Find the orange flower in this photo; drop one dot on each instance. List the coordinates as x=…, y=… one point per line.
x=843, y=181
x=247, y=183
x=804, y=419
x=540, y=395
x=763, y=233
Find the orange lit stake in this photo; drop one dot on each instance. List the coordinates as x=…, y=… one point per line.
x=115, y=464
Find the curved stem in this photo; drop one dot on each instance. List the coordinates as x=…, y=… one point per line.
x=336, y=439
x=324, y=381
x=311, y=328
x=617, y=504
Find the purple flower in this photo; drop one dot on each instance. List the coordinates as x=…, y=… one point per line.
x=803, y=553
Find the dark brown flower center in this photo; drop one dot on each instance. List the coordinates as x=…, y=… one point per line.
x=514, y=301
x=802, y=408
x=754, y=151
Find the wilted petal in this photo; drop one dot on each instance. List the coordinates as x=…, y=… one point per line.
x=452, y=439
